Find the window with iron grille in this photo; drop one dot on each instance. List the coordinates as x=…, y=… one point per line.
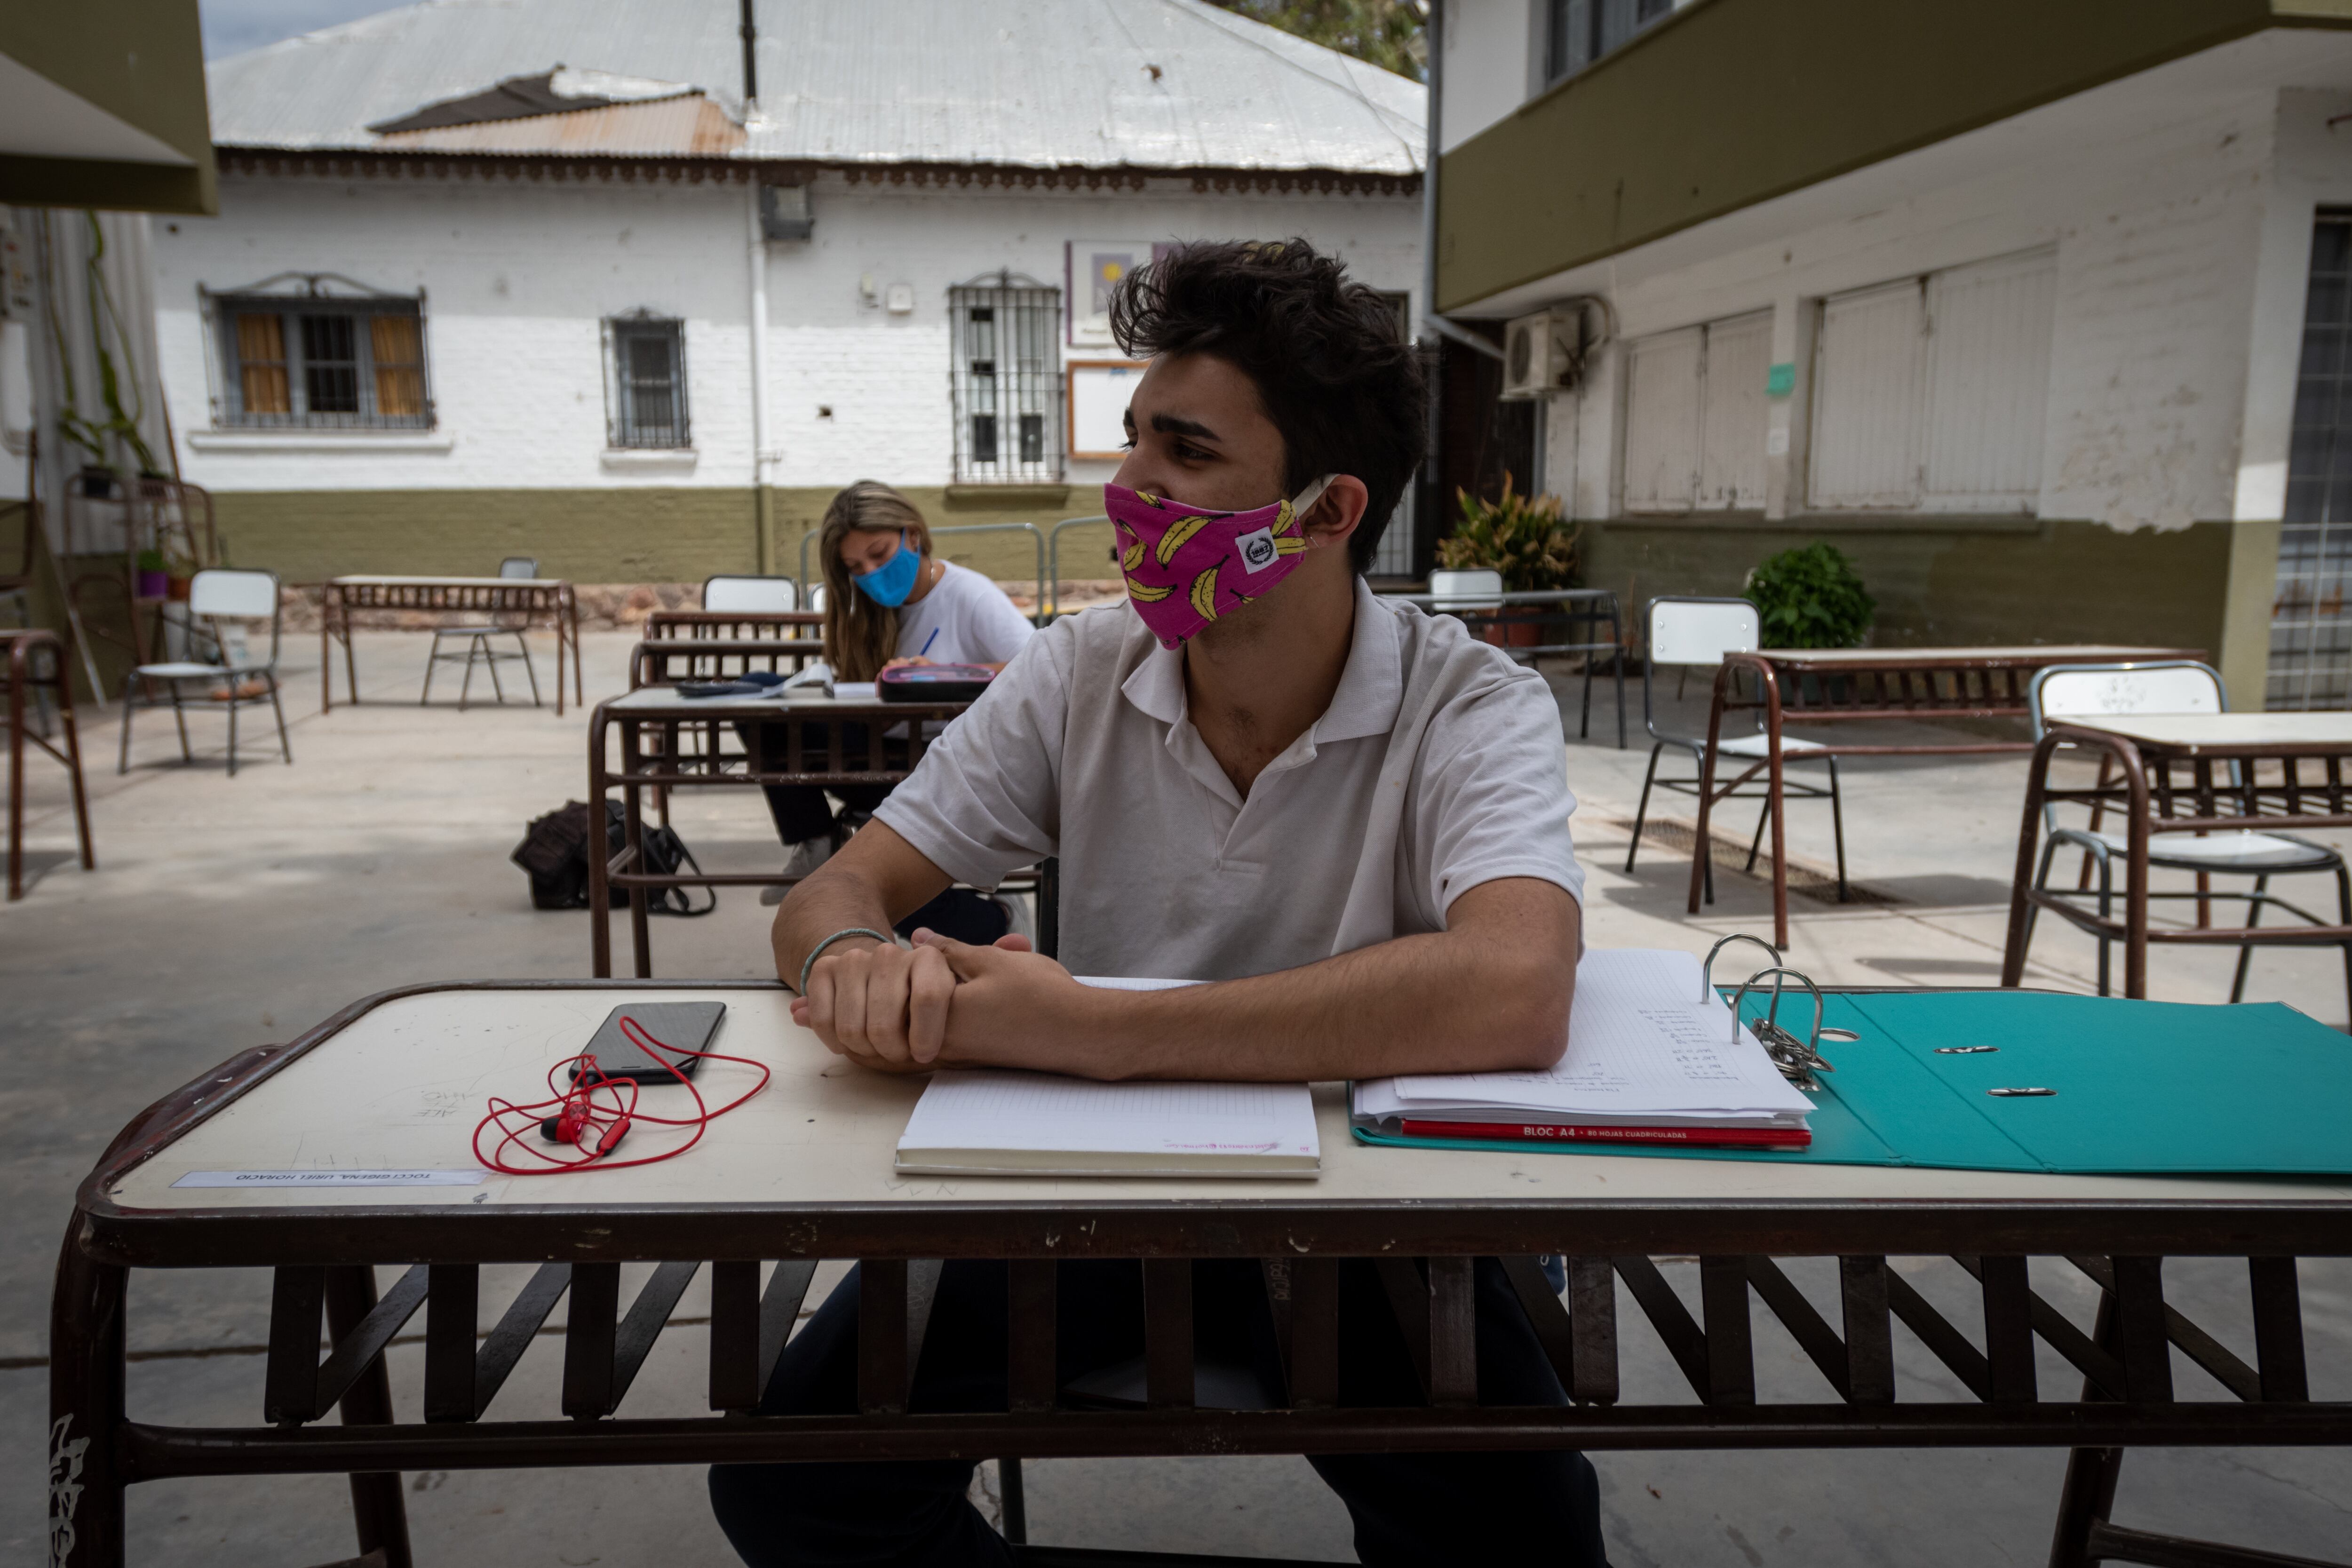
x=312, y=361
x=645, y=381
x=1006, y=380
x=1579, y=32
x=2311, y=637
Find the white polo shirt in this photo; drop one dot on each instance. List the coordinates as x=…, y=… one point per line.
x=1438, y=765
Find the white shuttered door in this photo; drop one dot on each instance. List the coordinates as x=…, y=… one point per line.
x=1988, y=382
x=1662, y=422
x=1866, y=395
x=1731, y=442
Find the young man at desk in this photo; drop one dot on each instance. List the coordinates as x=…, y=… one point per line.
x=1350, y=816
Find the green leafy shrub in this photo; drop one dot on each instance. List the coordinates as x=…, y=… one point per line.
x=1810, y=597
x=1520, y=536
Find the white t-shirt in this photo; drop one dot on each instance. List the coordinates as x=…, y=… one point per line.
x=975, y=622
x=1438, y=765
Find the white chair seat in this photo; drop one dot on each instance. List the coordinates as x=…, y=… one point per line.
x=1754, y=746
x=2239, y=851
x=188, y=670
x=471, y=631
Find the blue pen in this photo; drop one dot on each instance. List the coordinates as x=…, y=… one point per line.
x=927, y=642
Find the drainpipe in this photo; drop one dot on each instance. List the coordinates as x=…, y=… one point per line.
x=756, y=261
x=1435, y=33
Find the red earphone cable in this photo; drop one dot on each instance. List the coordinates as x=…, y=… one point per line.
x=595, y=1128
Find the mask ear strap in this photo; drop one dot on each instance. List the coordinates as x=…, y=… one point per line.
x=1311, y=494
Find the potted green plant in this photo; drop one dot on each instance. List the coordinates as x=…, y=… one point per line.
x=153, y=580
x=179, y=572
x=1810, y=597
x=1523, y=538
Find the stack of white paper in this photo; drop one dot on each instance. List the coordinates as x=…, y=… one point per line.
x=1647, y=1049
x=1029, y=1123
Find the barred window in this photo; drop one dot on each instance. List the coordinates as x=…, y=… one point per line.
x=645, y=378
x=310, y=361
x=1006, y=380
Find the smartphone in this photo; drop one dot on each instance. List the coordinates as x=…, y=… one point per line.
x=681, y=1025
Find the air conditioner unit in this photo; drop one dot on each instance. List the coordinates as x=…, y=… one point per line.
x=1542, y=354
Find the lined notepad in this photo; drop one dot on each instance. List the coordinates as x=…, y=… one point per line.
x=1041, y=1124
x=1647, y=1047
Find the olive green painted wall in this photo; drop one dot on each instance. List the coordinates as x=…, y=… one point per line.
x=637, y=534
x=1733, y=102
x=2206, y=586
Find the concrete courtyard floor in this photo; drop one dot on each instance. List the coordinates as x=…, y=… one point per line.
x=231, y=913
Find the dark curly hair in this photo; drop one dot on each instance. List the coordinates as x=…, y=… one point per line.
x=1342, y=388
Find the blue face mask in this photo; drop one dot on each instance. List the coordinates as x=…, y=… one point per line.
x=889, y=583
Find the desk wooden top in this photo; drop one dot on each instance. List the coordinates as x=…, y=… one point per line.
x=2014, y=657
x=2204, y=733
x=402, y=1085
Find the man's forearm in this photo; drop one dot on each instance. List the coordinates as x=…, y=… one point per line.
x=819, y=907
x=1491, y=995
x=875, y=872
x=1420, y=1003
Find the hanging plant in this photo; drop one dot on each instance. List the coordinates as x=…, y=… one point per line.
x=120, y=423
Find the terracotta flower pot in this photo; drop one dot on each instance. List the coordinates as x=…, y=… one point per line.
x=176, y=589
x=1513, y=626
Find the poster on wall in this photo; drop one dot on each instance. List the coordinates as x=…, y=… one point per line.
x=1099, y=392
x=1091, y=269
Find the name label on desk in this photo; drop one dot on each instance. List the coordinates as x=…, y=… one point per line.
x=333, y=1179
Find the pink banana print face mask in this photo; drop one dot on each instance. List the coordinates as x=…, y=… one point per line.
x=1186, y=566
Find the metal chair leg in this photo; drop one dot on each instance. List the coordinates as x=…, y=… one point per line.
x=1837, y=826
x=122, y=759
x=234, y=704
x=466, y=686
x=491, y=662
x=1641, y=809
x=180, y=718
x=283, y=744
x=1016, y=1499
x=2246, y=950
x=432, y=658
x=1756, y=843
x=533, y=675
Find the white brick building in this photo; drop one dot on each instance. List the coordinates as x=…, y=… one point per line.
x=922, y=149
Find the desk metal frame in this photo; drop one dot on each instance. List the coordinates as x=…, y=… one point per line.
x=21, y=645
x=1553, y=608
x=533, y=599
x=323, y=1260
x=652, y=758
x=2265, y=785
x=1815, y=685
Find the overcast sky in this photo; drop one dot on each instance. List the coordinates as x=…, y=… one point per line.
x=233, y=27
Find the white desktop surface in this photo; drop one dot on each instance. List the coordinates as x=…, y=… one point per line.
x=2190, y=730
x=402, y=1087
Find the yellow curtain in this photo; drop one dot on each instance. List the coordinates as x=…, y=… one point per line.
x=261, y=365
x=399, y=345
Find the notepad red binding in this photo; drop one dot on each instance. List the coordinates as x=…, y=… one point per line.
x=1563, y=1132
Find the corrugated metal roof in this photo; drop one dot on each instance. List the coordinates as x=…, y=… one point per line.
x=1030, y=83
x=691, y=127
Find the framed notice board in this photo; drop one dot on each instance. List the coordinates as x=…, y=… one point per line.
x=1099, y=390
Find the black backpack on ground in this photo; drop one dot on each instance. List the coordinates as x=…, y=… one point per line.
x=554, y=854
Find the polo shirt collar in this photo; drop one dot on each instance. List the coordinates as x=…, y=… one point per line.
x=1370, y=691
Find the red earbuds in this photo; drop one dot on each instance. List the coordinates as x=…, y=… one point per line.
x=592, y=1113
